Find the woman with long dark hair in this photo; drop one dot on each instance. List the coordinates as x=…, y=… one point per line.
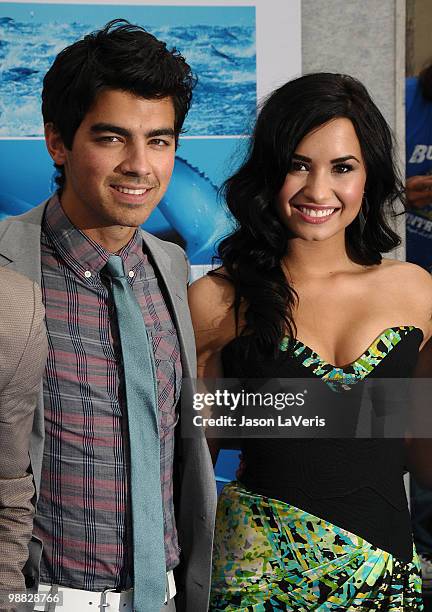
x=303, y=292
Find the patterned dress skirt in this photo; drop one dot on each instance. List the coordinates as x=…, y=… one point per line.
x=269, y=555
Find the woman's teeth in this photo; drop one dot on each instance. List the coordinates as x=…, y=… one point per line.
x=313, y=212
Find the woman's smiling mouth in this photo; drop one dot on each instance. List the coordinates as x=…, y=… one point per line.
x=314, y=214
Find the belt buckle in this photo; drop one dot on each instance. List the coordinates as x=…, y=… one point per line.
x=103, y=601
x=122, y=603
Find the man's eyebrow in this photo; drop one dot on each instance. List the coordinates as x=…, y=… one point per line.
x=97, y=128
x=161, y=132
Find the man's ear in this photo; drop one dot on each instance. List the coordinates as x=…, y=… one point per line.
x=54, y=144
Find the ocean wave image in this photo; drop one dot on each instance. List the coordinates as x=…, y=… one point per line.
x=222, y=55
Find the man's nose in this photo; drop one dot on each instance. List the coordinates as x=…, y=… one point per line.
x=136, y=161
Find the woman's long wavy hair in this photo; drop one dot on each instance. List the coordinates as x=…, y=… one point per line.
x=252, y=254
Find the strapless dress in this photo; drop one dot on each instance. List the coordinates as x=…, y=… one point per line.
x=318, y=524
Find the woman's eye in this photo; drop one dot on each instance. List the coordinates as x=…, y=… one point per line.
x=298, y=166
x=342, y=168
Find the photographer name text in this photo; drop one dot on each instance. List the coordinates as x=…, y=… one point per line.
x=279, y=421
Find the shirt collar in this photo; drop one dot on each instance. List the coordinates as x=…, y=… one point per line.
x=80, y=252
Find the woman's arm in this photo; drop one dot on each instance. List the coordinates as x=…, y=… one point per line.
x=210, y=302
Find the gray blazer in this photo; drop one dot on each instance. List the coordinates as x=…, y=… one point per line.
x=23, y=349
x=196, y=505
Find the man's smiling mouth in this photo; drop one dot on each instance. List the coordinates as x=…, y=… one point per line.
x=131, y=191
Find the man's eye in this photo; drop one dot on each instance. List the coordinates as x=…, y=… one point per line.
x=298, y=166
x=342, y=168
x=109, y=139
x=159, y=142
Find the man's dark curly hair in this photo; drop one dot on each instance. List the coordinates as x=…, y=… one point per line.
x=120, y=56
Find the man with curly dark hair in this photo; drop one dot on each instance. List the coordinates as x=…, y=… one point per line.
x=122, y=501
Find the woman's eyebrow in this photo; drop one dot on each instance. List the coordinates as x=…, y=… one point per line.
x=344, y=158
x=302, y=157
x=337, y=160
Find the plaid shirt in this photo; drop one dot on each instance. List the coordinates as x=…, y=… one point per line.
x=83, y=514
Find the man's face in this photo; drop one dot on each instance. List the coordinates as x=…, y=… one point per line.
x=121, y=161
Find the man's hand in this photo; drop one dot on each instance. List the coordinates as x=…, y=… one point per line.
x=419, y=191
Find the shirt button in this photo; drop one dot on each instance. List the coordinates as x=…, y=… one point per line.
x=131, y=273
x=87, y=274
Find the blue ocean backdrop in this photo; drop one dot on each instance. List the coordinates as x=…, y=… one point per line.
x=218, y=43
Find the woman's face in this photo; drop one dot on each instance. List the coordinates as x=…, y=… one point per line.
x=323, y=190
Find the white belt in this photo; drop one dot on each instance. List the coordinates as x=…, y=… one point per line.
x=75, y=600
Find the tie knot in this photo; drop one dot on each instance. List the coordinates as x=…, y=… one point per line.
x=114, y=266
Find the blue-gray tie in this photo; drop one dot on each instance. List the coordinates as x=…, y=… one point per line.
x=142, y=410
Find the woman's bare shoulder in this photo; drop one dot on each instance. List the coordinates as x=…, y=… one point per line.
x=417, y=277
x=413, y=287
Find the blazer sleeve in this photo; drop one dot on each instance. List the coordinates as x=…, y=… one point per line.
x=22, y=319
